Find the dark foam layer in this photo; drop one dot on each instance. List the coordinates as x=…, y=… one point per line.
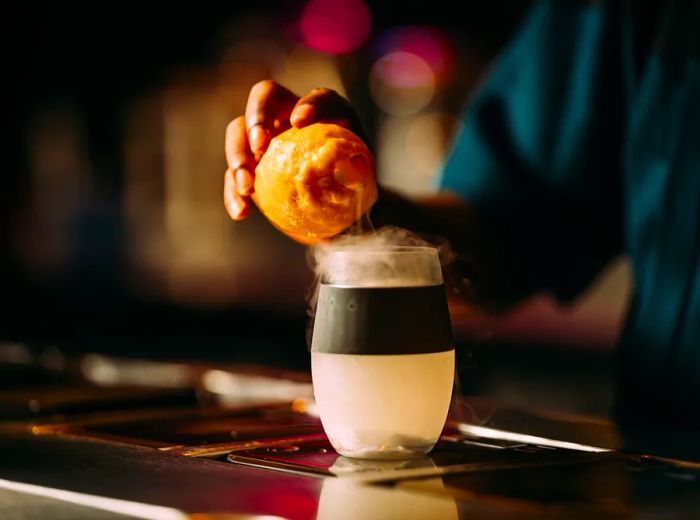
x=382, y=320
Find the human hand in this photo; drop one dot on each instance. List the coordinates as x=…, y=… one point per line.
x=271, y=109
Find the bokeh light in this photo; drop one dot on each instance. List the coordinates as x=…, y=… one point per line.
x=427, y=42
x=402, y=83
x=335, y=26
x=412, y=150
x=428, y=139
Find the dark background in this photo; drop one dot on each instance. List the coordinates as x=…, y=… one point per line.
x=72, y=270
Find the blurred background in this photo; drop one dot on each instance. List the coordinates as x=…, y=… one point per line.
x=114, y=236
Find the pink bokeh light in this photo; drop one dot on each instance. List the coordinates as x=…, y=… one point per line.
x=426, y=42
x=335, y=26
x=403, y=70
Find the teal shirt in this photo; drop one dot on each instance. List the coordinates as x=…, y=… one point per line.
x=583, y=143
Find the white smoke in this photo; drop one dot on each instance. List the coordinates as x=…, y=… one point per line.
x=387, y=257
x=378, y=262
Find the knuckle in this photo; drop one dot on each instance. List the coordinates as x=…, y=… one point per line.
x=322, y=91
x=238, y=159
x=331, y=95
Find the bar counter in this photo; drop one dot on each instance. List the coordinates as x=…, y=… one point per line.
x=138, y=439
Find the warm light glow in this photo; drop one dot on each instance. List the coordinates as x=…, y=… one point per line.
x=111, y=371
x=412, y=150
x=305, y=405
x=402, y=83
x=335, y=26
x=202, y=265
x=231, y=387
x=11, y=352
x=304, y=69
x=427, y=141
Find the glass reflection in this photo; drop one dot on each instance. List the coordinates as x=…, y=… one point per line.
x=348, y=498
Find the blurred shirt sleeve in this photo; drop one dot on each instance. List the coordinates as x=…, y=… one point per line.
x=539, y=152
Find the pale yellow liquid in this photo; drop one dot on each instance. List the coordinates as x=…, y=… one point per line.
x=387, y=406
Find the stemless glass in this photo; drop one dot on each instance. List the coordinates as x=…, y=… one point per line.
x=382, y=352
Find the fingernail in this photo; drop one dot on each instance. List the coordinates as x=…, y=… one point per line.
x=302, y=113
x=244, y=182
x=258, y=138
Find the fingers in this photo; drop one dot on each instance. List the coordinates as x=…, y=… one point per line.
x=326, y=105
x=238, y=180
x=267, y=113
x=244, y=182
x=236, y=205
x=270, y=110
x=238, y=153
x=239, y=157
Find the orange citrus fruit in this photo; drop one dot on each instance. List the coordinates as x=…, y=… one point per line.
x=314, y=182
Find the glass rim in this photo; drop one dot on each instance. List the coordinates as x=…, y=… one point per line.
x=364, y=250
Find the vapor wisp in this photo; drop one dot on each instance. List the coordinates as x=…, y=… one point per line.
x=387, y=257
